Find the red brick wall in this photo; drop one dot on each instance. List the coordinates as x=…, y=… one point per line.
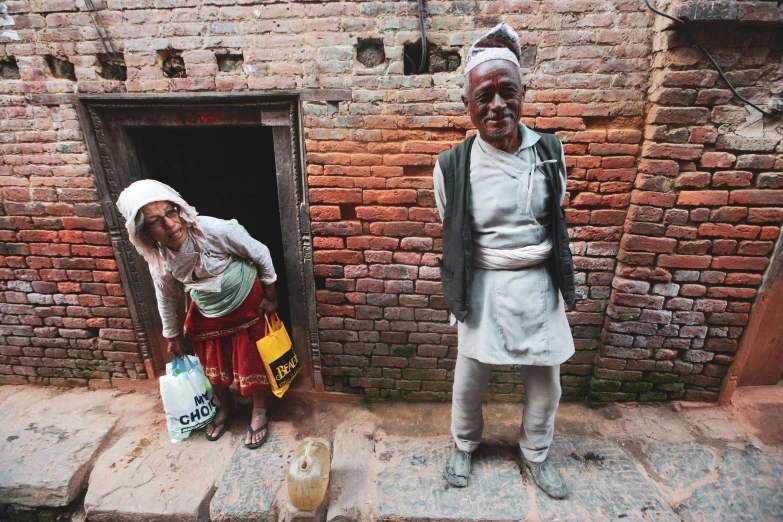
x=704, y=216
x=597, y=81
x=63, y=316
x=377, y=233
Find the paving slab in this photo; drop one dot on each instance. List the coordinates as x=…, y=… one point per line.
x=605, y=484
x=253, y=479
x=145, y=477
x=682, y=468
x=748, y=486
x=351, y=476
x=47, y=447
x=411, y=485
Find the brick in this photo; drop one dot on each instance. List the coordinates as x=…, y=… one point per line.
x=645, y=301
x=703, y=198
x=706, y=134
x=648, y=244
x=717, y=159
x=325, y=213
x=733, y=178
x=673, y=151
x=765, y=215
x=755, y=161
x=728, y=318
x=728, y=214
x=382, y=213
x=739, y=263
x=659, y=167
x=335, y=195
x=769, y=232
x=656, y=199
x=693, y=179
x=337, y=256
x=682, y=261
x=607, y=217
x=770, y=180
x=742, y=279
x=680, y=115
x=389, y=197
x=729, y=231
x=698, y=78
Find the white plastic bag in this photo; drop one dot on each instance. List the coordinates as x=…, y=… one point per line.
x=187, y=397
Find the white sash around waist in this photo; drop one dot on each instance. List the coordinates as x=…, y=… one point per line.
x=511, y=259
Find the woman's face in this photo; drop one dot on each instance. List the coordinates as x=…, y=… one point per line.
x=163, y=224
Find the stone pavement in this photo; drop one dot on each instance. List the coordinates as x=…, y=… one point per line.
x=104, y=456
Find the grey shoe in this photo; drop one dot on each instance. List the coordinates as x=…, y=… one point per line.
x=546, y=477
x=458, y=468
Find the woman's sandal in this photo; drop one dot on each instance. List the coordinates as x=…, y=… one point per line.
x=253, y=433
x=215, y=425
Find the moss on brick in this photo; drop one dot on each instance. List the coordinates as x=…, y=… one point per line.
x=660, y=377
x=49, y=515
x=671, y=386
x=636, y=387
x=604, y=385
x=653, y=396
x=611, y=396
x=404, y=350
x=391, y=394
x=21, y=515
x=575, y=391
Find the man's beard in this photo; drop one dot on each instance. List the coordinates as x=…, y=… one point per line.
x=506, y=113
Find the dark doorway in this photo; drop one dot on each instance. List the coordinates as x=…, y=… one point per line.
x=232, y=156
x=225, y=172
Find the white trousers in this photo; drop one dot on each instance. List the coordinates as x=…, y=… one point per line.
x=542, y=396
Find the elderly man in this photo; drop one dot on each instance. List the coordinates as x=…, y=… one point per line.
x=506, y=266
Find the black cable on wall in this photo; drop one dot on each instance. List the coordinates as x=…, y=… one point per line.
x=687, y=30
x=423, y=63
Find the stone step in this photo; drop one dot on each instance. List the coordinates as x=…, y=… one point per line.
x=48, y=445
x=144, y=477
x=252, y=486
x=634, y=470
x=380, y=477
x=411, y=485
x=741, y=482
x=352, y=477
x=604, y=482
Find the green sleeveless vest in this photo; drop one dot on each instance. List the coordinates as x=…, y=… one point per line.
x=456, y=265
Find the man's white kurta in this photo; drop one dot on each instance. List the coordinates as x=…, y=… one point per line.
x=514, y=316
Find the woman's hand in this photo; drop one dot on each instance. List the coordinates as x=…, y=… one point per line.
x=176, y=347
x=267, y=307
x=269, y=302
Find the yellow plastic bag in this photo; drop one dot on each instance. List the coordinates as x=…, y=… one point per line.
x=278, y=354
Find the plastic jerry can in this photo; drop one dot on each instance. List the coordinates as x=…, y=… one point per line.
x=308, y=475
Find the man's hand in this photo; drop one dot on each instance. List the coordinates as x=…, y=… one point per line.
x=176, y=347
x=267, y=307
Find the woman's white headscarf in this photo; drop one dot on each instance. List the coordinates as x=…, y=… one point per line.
x=138, y=194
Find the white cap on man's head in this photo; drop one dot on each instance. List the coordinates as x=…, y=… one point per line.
x=501, y=43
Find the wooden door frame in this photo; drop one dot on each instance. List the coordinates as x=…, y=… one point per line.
x=769, y=295
x=115, y=166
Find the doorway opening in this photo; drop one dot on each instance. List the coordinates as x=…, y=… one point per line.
x=232, y=157
x=225, y=172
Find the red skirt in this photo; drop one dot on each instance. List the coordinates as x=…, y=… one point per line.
x=226, y=346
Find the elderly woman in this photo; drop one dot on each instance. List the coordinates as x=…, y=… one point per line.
x=230, y=278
